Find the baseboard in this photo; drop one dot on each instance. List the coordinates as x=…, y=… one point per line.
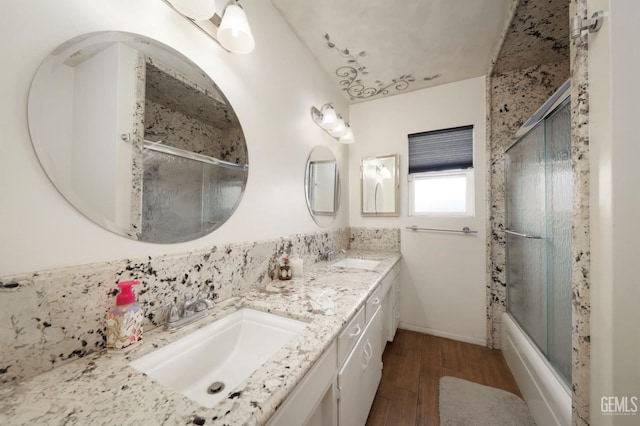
x=445, y=334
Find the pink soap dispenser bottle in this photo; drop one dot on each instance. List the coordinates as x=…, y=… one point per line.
x=124, y=321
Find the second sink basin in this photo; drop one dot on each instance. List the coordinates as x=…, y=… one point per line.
x=209, y=363
x=355, y=263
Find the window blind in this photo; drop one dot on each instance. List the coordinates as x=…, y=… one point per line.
x=440, y=150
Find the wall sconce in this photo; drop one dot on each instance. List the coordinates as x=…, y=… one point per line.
x=332, y=123
x=230, y=29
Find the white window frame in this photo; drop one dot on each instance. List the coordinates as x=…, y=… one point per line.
x=470, y=192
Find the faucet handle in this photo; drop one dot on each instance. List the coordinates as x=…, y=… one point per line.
x=174, y=314
x=187, y=306
x=204, y=304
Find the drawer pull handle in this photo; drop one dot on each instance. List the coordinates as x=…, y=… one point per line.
x=355, y=333
x=375, y=301
x=366, y=356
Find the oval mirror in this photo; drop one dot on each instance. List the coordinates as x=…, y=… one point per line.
x=322, y=186
x=137, y=137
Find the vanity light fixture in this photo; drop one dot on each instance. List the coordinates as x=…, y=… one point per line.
x=348, y=137
x=230, y=29
x=331, y=122
x=195, y=9
x=234, y=33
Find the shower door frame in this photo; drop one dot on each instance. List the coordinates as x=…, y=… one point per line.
x=555, y=103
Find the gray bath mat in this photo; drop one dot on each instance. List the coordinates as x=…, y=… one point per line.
x=464, y=403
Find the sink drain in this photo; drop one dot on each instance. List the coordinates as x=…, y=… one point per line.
x=215, y=387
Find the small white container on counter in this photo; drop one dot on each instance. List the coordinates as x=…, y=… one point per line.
x=297, y=268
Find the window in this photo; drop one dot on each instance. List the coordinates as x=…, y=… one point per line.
x=441, y=177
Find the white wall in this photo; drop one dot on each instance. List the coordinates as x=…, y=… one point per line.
x=443, y=274
x=614, y=88
x=271, y=91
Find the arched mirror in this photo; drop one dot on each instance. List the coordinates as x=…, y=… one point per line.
x=137, y=137
x=322, y=185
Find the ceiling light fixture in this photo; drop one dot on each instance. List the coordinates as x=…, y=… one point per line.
x=230, y=29
x=331, y=122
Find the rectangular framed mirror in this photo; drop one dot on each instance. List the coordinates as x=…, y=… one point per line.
x=380, y=185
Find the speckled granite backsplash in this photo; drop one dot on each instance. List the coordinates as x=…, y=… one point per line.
x=380, y=239
x=52, y=317
x=55, y=316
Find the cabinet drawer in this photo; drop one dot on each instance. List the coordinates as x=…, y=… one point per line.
x=350, y=335
x=373, y=304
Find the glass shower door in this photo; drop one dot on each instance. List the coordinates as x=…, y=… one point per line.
x=538, y=200
x=525, y=221
x=559, y=204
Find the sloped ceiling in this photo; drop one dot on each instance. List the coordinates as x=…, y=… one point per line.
x=538, y=34
x=376, y=48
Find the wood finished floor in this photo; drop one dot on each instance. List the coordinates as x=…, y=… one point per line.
x=413, y=365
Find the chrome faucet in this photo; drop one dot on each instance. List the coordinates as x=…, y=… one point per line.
x=328, y=254
x=191, y=312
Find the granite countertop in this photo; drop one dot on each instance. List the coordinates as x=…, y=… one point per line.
x=103, y=389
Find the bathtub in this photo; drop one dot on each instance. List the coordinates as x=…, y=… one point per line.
x=548, y=397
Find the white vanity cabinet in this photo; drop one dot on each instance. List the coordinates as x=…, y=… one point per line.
x=324, y=398
x=359, y=377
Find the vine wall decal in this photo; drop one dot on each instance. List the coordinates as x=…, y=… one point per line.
x=351, y=76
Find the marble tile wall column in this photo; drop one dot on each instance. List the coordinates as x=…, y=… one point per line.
x=530, y=65
x=580, y=234
x=514, y=96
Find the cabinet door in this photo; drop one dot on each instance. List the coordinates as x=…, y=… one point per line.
x=360, y=376
x=313, y=401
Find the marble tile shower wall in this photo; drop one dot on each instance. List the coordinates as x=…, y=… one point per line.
x=508, y=111
x=52, y=317
x=581, y=230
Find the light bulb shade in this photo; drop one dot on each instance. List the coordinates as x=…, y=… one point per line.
x=383, y=171
x=199, y=10
x=340, y=130
x=329, y=118
x=234, y=33
x=348, y=137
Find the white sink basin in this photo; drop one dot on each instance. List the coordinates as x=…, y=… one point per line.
x=355, y=263
x=226, y=351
